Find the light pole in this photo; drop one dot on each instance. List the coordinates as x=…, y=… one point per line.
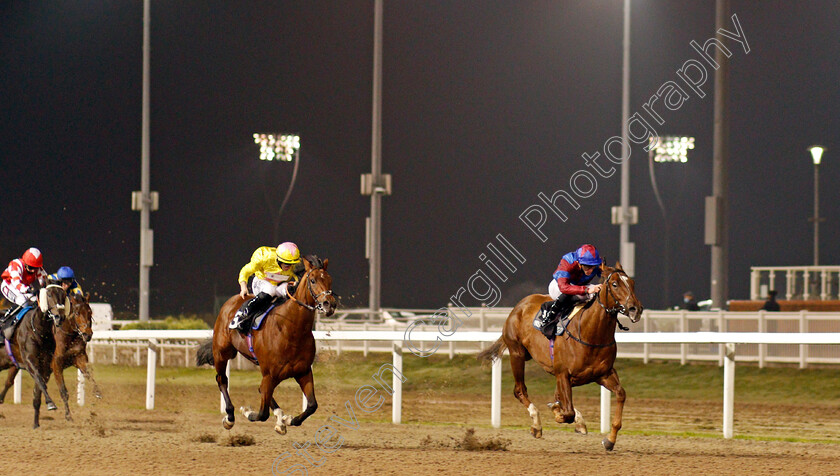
x=816, y=155
x=282, y=147
x=376, y=184
x=144, y=200
x=669, y=149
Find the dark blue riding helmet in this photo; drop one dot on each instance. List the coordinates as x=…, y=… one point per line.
x=65, y=272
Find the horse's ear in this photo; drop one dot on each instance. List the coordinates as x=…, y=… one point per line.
x=618, y=266
x=326, y=262
x=87, y=297
x=307, y=264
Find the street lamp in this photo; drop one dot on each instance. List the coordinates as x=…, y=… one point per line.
x=667, y=150
x=816, y=155
x=283, y=147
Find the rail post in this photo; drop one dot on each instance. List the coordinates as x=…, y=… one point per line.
x=80, y=388
x=728, y=390
x=496, y=394
x=605, y=410
x=151, y=368
x=396, y=408
x=18, y=387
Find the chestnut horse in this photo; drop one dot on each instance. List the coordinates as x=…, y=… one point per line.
x=283, y=347
x=71, y=339
x=33, y=343
x=584, y=353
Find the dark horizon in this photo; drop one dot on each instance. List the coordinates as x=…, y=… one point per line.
x=485, y=106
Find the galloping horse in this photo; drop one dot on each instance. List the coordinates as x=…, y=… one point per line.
x=283, y=347
x=33, y=343
x=584, y=353
x=71, y=339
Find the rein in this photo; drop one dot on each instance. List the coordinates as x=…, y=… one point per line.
x=611, y=311
x=618, y=308
x=318, y=305
x=75, y=332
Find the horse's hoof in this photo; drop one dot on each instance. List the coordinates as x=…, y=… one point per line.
x=536, y=432
x=98, y=395
x=228, y=424
x=68, y=418
x=280, y=429
x=581, y=429
x=608, y=445
x=51, y=406
x=35, y=427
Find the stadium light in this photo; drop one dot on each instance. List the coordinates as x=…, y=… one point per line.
x=671, y=148
x=286, y=148
x=667, y=149
x=816, y=156
x=277, y=146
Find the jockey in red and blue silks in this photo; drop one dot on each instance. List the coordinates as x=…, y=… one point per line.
x=571, y=283
x=570, y=277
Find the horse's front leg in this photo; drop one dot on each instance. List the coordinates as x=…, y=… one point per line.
x=10, y=380
x=58, y=370
x=40, y=377
x=564, y=410
x=612, y=383
x=307, y=385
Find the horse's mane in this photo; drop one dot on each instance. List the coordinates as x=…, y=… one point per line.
x=314, y=260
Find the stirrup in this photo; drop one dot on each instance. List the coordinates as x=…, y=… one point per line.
x=236, y=322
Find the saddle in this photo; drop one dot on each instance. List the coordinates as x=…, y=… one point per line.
x=558, y=326
x=10, y=320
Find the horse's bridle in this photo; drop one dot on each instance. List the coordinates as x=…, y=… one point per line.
x=610, y=311
x=319, y=306
x=78, y=329
x=56, y=319
x=617, y=308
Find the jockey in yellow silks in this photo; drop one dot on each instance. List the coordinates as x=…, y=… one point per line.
x=273, y=271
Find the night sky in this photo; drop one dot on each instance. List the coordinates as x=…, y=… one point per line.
x=485, y=105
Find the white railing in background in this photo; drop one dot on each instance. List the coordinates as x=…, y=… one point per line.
x=395, y=340
x=800, y=282
x=484, y=319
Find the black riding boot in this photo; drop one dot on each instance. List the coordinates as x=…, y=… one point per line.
x=546, y=320
x=245, y=315
x=7, y=322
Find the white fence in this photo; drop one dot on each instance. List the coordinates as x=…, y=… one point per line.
x=800, y=282
x=492, y=319
x=395, y=341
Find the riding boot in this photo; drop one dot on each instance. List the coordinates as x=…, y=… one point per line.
x=242, y=319
x=546, y=320
x=7, y=323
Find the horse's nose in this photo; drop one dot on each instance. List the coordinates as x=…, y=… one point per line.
x=88, y=337
x=635, y=313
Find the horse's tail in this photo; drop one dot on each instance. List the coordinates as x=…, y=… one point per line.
x=493, y=352
x=204, y=355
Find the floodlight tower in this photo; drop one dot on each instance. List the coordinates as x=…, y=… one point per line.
x=664, y=150
x=285, y=148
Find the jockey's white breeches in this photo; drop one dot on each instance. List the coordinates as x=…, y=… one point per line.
x=262, y=286
x=13, y=295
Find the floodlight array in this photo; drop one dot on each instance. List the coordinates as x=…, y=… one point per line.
x=671, y=148
x=277, y=147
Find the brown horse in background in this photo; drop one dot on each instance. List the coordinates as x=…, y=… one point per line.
x=283, y=347
x=584, y=353
x=71, y=339
x=33, y=343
